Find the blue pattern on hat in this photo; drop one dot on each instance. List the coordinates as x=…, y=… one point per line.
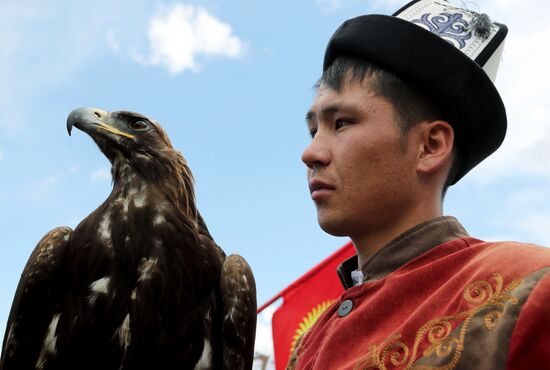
x=449, y=26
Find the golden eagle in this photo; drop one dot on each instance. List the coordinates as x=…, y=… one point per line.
x=139, y=283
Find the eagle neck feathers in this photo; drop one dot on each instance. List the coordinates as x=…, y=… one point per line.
x=165, y=172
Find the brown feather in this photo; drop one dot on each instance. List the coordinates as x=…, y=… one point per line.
x=141, y=283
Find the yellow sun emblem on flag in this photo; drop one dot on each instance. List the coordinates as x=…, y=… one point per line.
x=308, y=321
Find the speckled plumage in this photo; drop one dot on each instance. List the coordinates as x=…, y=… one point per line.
x=139, y=283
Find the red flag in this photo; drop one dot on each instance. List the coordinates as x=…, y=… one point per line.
x=304, y=301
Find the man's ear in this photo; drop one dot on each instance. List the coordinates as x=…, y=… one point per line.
x=436, y=146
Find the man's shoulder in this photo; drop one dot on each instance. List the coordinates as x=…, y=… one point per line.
x=508, y=249
x=509, y=257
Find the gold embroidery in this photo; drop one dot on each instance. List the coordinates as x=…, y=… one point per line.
x=444, y=342
x=378, y=355
x=491, y=319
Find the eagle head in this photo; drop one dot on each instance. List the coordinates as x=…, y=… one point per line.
x=137, y=146
x=123, y=135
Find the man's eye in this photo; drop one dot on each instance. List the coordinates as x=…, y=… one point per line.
x=139, y=125
x=312, y=132
x=341, y=123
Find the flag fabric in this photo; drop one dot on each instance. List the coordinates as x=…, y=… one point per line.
x=304, y=301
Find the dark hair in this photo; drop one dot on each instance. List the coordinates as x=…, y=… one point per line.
x=411, y=107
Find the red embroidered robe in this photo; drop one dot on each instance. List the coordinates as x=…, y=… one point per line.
x=435, y=298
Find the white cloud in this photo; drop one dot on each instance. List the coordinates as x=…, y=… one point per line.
x=527, y=211
x=523, y=214
x=264, y=339
x=525, y=88
x=537, y=224
x=329, y=6
x=528, y=198
x=391, y=5
x=497, y=237
x=39, y=56
x=100, y=175
x=180, y=33
x=505, y=5
x=112, y=42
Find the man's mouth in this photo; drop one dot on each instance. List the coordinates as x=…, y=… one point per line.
x=319, y=189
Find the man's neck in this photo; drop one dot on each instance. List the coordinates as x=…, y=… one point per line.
x=370, y=242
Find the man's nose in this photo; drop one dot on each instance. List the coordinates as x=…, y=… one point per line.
x=316, y=153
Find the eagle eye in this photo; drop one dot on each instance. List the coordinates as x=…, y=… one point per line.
x=139, y=125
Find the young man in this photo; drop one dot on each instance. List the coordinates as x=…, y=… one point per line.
x=405, y=108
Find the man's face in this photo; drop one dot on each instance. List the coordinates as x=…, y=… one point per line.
x=360, y=167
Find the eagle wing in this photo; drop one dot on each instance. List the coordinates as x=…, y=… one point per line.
x=238, y=290
x=30, y=330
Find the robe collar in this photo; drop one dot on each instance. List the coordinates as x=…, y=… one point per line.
x=404, y=248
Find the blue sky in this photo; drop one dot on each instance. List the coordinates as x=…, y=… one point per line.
x=230, y=81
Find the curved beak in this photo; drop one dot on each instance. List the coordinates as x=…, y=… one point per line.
x=91, y=120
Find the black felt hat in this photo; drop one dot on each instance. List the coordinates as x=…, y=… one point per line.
x=448, y=54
